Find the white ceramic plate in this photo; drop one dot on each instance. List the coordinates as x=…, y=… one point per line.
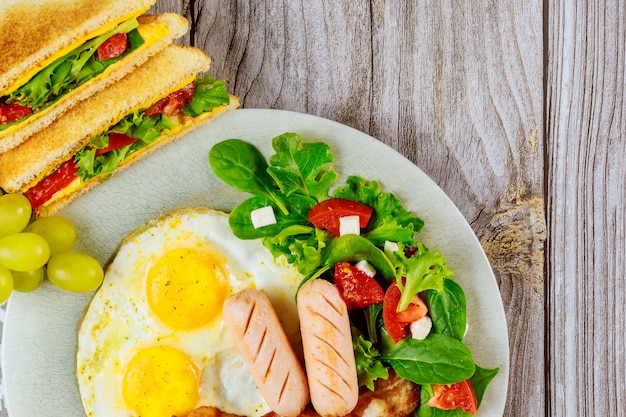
x=40, y=332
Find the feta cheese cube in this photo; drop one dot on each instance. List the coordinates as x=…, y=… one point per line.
x=263, y=216
x=390, y=248
x=421, y=328
x=349, y=225
x=366, y=267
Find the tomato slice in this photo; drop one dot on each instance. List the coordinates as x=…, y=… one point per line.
x=458, y=395
x=116, y=141
x=357, y=288
x=326, y=214
x=174, y=102
x=398, y=322
x=59, y=179
x=12, y=112
x=112, y=47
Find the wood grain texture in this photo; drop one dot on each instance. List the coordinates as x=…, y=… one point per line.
x=456, y=87
x=587, y=196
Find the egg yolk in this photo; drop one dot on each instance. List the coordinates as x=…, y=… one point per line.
x=161, y=381
x=186, y=288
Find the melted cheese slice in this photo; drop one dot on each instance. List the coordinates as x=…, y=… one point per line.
x=79, y=41
x=150, y=32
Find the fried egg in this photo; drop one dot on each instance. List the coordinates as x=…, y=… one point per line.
x=153, y=341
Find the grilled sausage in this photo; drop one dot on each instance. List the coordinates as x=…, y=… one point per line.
x=327, y=345
x=261, y=340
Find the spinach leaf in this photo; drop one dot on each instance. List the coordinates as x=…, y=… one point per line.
x=372, y=313
x=447, y=309
x=301, y=167
x=481, y=378
x=438, y=359
x=356, y=248
x=241, y=222
x=240, y=165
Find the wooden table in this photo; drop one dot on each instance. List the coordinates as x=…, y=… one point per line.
x=516, y=109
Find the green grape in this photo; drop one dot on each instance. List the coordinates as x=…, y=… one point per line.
x=15, y=211
x=6, y=284
x=59, y=232
x=75, y=272
x=23, y=251
x=28, y=281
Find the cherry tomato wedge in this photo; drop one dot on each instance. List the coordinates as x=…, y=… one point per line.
x=357, y=288
x=12, y=112
x=116, y=141
x=397, y=323
x=59, y=179
x=458, y=395
x=174, y=102
x=326, y=214
x=112, y=47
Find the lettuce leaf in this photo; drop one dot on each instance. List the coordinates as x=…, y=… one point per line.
x=425, y=270
x=71, y=70
x=210, y=94
x=368, y=367
x=141, y=126
x=390, y=221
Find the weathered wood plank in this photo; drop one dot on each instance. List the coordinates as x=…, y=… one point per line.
x=455, y=87
x=587, y=195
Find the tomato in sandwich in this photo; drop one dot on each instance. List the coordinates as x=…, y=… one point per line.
x=59, y=179
x=459, y=395
x=116, y=141
x=326, y=214
x=174, y=102
x=396, y=322
x=113, y=47
x=357, y=288
x=12, y=112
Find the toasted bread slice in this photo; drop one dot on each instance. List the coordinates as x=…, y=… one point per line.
x=157, y=31
x=26, y=165
x=36, y=32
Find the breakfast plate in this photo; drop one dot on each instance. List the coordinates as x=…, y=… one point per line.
x=40, y=334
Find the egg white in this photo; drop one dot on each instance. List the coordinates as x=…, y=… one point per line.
x=119, y=321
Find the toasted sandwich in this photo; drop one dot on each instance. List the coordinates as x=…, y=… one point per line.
x=148, y=108
x=55, y=53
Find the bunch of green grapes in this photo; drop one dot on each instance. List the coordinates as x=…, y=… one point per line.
x=32, y=251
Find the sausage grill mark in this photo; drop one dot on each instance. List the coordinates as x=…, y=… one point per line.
x=334, y=371
x=283, y=387
x=330, y=389
x=315, y=313
x=331, y=304
x=324, y=360
x=269, y=366
x=249, y=318
x=259, y=348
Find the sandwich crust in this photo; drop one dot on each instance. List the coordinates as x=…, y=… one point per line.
x=177, y=26
x=24, y=166
x=57, y=204
x=36, y=30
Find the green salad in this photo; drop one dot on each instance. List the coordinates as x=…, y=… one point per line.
x=395, y=280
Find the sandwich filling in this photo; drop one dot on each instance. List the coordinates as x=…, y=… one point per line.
x=105, y=152
x=76, y=68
